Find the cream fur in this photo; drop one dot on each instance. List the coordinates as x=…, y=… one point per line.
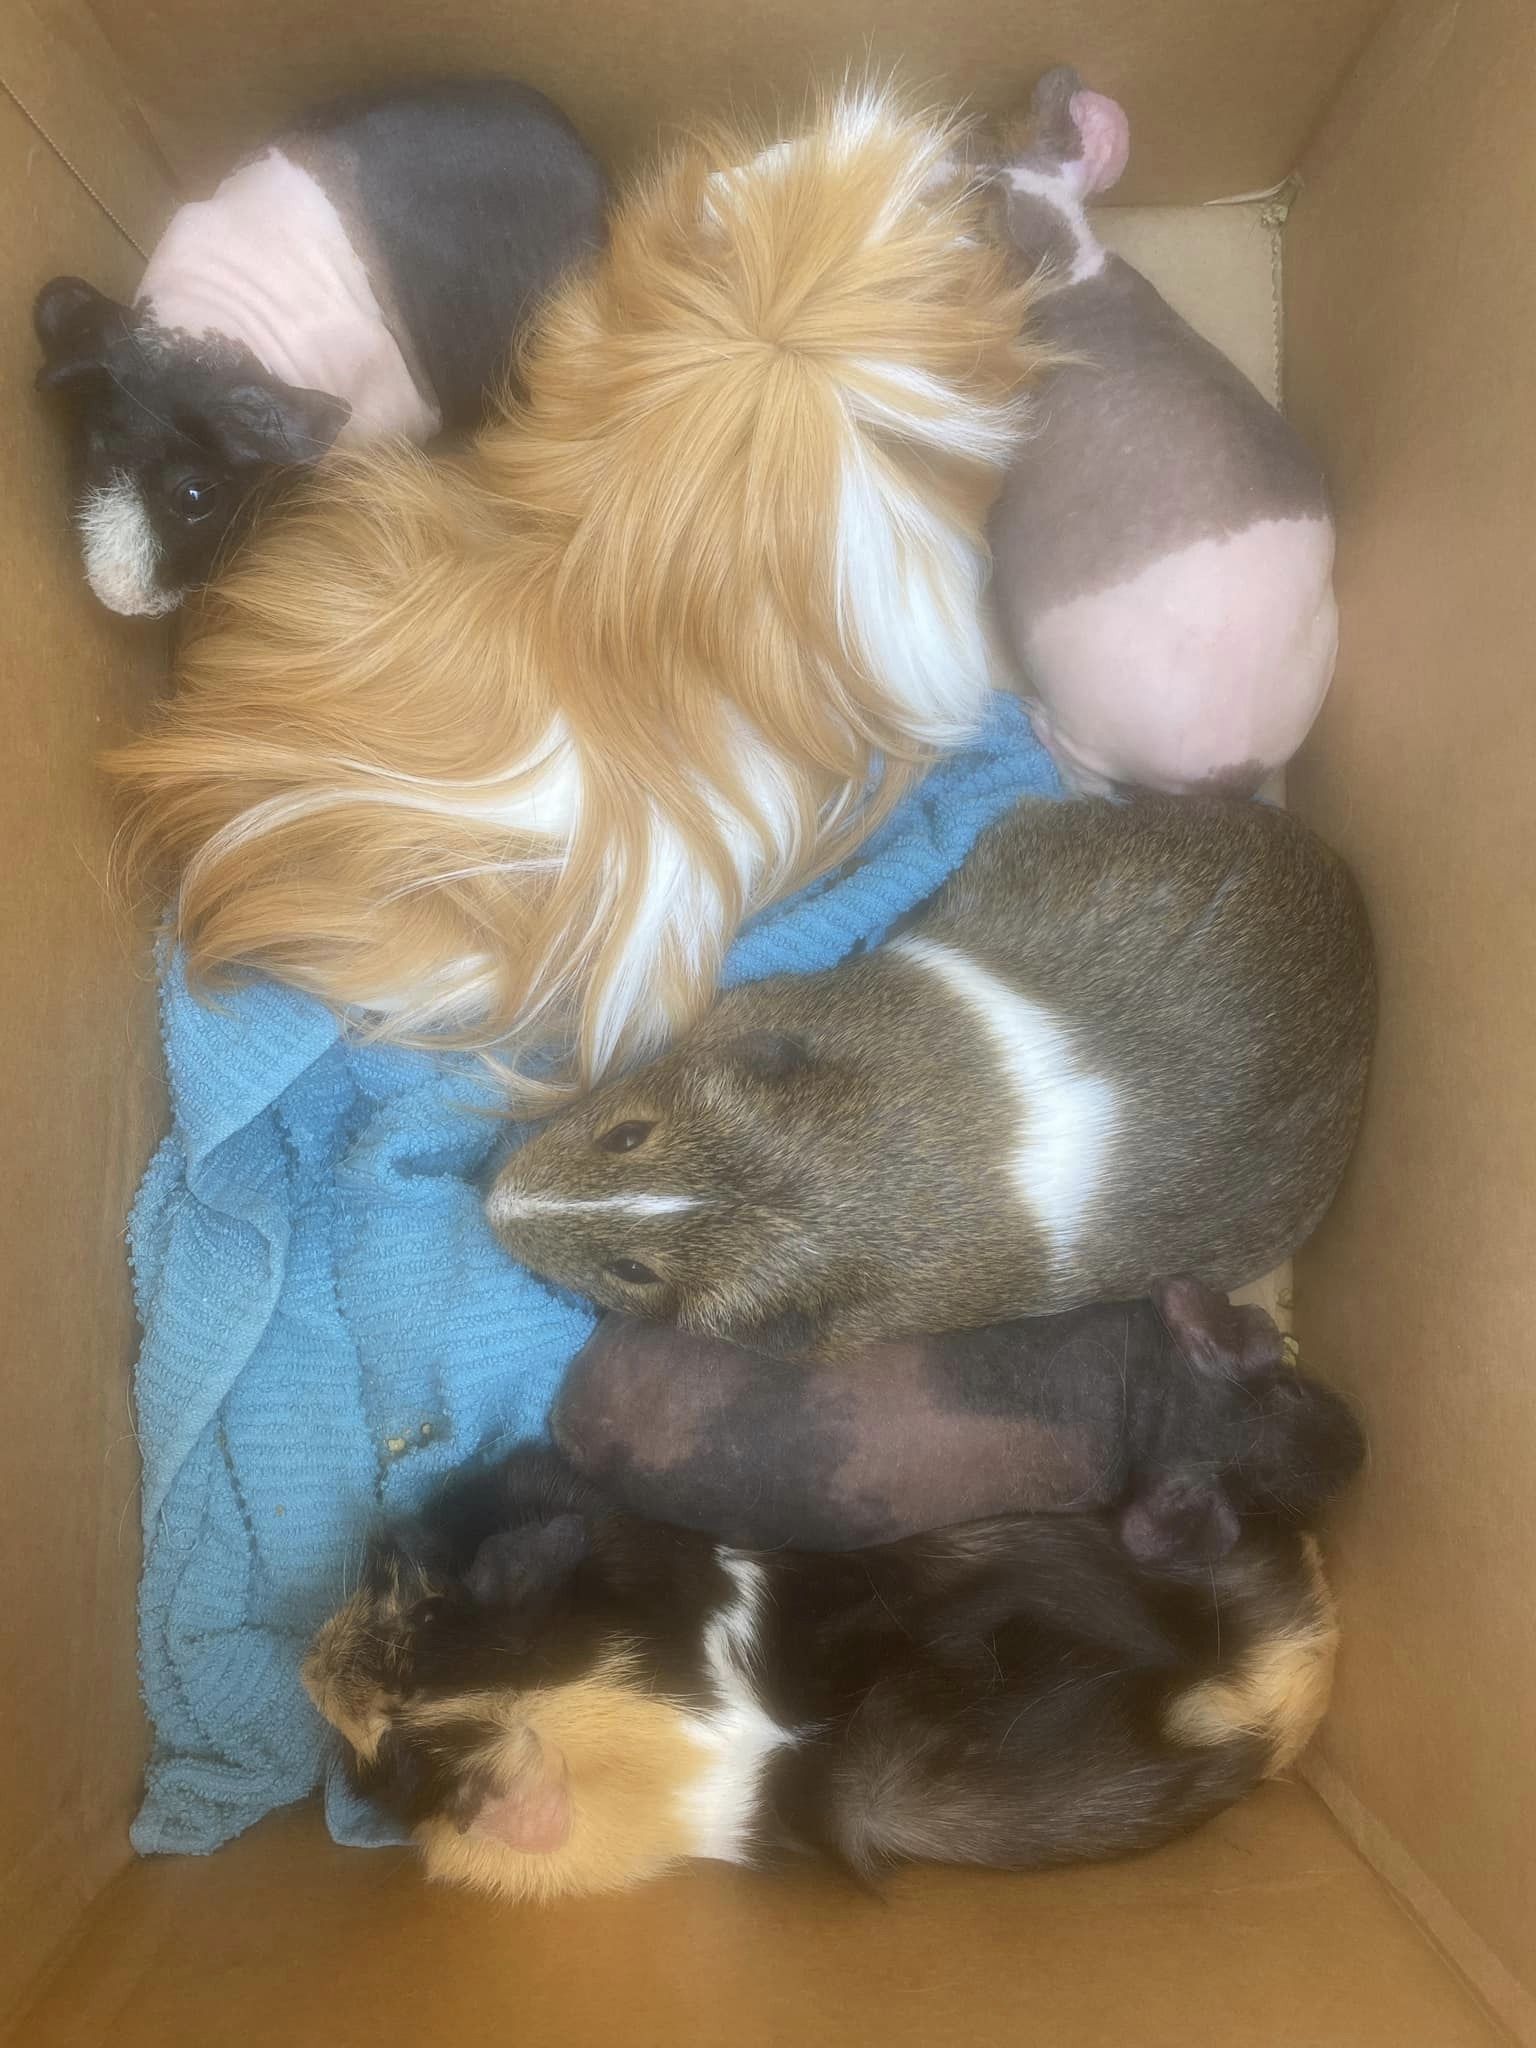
x=1281, y=1691
x=503, y=752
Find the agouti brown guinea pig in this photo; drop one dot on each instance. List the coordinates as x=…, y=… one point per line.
x=1123, y=1041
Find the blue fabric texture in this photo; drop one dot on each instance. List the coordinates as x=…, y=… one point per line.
x=329, y=1327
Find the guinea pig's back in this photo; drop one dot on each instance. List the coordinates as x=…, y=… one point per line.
x=1093, y=498
x=1210, y=961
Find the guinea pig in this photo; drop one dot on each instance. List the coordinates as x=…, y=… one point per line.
x=502, y=752
x=1180, y=1415
x=1123, y=1040
x=361, y=277
x=1163, y=546
x=556, y=1698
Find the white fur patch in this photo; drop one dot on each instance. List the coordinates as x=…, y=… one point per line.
x=722, y=1805
x=121, y=551
x=1089, y=255
x=909, y=599
x=1066, y=1118
x=541, y=797
x=507, y=1207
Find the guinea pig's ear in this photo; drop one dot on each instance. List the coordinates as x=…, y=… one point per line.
x=1180, y=1518
x=532, y=1814
x=273, y=423
x=71, y=319
x=519, y=1565
x=768, y=1055
x=1215, y=1334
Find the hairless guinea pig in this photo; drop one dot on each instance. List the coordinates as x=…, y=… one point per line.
x=1180, y=1414
x=1124, y=1040
x=363, y=276
x=1163, y=547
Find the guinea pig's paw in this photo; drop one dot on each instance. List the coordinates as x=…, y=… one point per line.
x=1179, y=1518
x=1104, y=142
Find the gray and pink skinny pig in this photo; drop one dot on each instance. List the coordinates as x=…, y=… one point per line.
x=1163, y=548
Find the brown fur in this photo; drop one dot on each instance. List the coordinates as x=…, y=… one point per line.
x=641, y=553
x=838, y=1148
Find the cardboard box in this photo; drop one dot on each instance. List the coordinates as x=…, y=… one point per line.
x=1409, y=261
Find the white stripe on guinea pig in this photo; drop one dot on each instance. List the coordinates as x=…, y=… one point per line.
x=724, y=1806
x=1065, y=1117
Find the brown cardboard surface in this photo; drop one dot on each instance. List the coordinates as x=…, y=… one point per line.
x=57, y=67
x=1410, y=344
x=1411, y=302
x=1223, y=93
x=79, y=1100
x=1264, y=1931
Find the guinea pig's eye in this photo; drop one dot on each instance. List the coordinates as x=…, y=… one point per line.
x=624, y=1137
x=632, y=1271
x=195, y=497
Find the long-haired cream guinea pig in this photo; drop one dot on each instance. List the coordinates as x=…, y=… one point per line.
x=559, y=1698
x=500, y=753
x=1124, y=1040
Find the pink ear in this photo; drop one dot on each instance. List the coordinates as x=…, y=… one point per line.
x=1105, y=135
x=535, y=1816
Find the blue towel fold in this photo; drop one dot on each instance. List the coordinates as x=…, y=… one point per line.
x=329, y=1327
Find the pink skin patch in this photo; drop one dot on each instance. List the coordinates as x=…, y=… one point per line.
x=1105, y=135
x=534, y=1817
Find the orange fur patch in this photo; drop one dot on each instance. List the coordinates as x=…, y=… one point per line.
x=503, y=750
x=1280, y=1692
x=628, y=1758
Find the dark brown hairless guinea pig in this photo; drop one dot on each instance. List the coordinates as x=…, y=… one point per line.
x=1122, y=1041
x=1181, y=1414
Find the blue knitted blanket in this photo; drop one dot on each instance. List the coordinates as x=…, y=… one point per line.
x=329, y=1327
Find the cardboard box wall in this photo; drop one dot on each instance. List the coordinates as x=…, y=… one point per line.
x=1410, y=260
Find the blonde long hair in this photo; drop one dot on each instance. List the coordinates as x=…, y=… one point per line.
x=501, y=751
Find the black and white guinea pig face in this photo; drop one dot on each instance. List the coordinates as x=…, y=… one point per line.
x=172, y=438
x=684, y=1193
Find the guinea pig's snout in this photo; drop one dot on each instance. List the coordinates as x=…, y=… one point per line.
x=340, y=1682
x=506, y=1200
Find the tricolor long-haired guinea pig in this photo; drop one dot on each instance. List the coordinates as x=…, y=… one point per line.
x=501, y=752
x=1123, y=1041
x=555, y=1697
x=1163, y=548
x=1180, y=1415
x=362, y=276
